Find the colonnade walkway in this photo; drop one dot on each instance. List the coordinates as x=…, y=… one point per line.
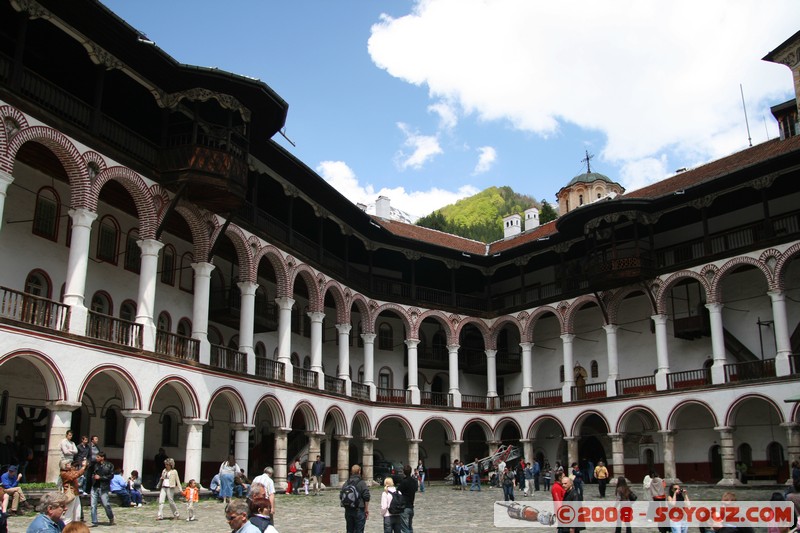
x=440, y=509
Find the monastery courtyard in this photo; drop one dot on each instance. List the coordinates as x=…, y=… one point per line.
x=439, y=509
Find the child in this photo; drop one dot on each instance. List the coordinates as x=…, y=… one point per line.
x=305, y=485
x=135, y=488
x=192, y=494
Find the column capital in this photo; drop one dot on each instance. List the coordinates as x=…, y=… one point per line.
x=567, y=337
x=150, y=246
x=776, y=294
x=411, y=343
x=62, y=405
x=714, y=307
x=247, y=287
x=318, y=434
x=282, y=431
x=344, y=328
x=724, y=429
x=569, y=439
x=660, y=320
x=525, y=441
x=82, y=217
x=284, y=303
x=242, y=427
x=203, y=268
x=790, y=425
x=667, y=432
x=139, y=414
x=611, y=328
x=368, y=338
x=316, y=316
x=195, y=421
x=453, y=347
x=5, y=180
x=526, y=345
x=613, y=435
x=490, y=353
x=414, y=441
x=343, y=438
x=451, y=442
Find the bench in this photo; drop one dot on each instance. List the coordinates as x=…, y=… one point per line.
x=762, y=472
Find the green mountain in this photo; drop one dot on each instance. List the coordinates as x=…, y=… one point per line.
x=480, y=217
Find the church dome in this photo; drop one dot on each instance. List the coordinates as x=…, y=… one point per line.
x=588, y=177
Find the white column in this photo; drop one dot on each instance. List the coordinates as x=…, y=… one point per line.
x=343, y=330
x=527, y=450
x=491, y=373
x=413, y=374
x=241, y=445
x=455, y=451
x=782, y=343
x=313, y=448
x=194, y=448
x=413, y=452
x=60, y=423
x=728, y=456
x=247, y=314
x=133, y=452
x=569, y=367
x=670, y=473
x=75, y=284
x=366, y=459
x=279, y=464
x=6, y=180
x=369, y=364
x=617, y=455
x=613, y=359
x=148, y=273
x=792, y=444
x=527, y=374
x=202, y=291
x=285, y=305
x=343, y=457
x=316, y=346
x=452, y=355
x=572, y=451
x=662, y=353
x=717, y=343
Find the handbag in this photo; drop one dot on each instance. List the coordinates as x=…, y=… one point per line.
x=70, y=493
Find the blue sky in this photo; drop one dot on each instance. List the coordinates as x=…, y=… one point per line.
x=430, y=101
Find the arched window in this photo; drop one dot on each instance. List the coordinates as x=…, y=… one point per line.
x=184, y=327
x=164, y=322
x=361, y=374
x=101, y=303
x=261, y=350
x=745, y=454
x=215, y=337
x=385, y=378
x=561, y=373
x=775, y=454
x=233, y=343
x=108, y=240
x=112, y=427
x=46, y=214
x=169, y=430
x=593, y=369
x=385, y=337
x=127, y=311
x=168, y=265
x=306, y=363
x=295, y=359
x=133, y=254
x=187, y=273
x=38, y=284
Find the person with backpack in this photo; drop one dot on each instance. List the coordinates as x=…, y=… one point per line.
x=408, y=488
x=391, y=507
x=354, y=497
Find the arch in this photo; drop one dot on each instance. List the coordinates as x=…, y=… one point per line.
x=581, y=418
x=446, y=424
x=730, y=414
x=14, y=115
x=673, y=413
x=124, y=380
x=480, y=325
x=734, y=264
x=108, y=232
x=274, y=407
x=309, y=414
x=315, y=301
x=53, y=379
x=360, y=419
x=782, y=264
x=276, y=259
x=634, y=410
x=502, y=423
x=445, y=321
x=139, y=191
x=189, y=400
x=164, y=322
x=498, y=326
x=367, y=318
x=615, y=301
x=235, y=400
x=197, y=226
x=339, y=420
x=487, y=429
x=536, y=315
x=663, y=290
x=538, y=421
x=576, y=305
x=399, y=310
x=47, y=214
x=404, y=423
x=38, y=280
x=243, y=252
x=342, y=309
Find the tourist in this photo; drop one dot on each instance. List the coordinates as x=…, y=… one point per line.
x=656, y=490
x=237, y=515
x=507, y=480
x=623, y=494
x=3, y=510
x=794, y=497
x=570, y=495
x=519, y=476
x=168, y=483
x=135, y=488
x=83, y=455
x=215, y=486
x=51, y=508
x=421, y=474
x=317, y=471
x=475, y=471
x=557, y=492
x=601, y=474
x=10, y=482
x=70, y=474
x=265, y=480
x=391, y=522
x=76, y=527
x=227, y=473
x=260, y=515
x=547, y=476
x=192, y=495
x=408, y=488
x=297, y=479
x=527, y=473
x=68, y=448
x=119, y=486
x=678, y=497
x=102, y=473
x=355, y=517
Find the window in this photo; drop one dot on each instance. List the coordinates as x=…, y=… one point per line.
x=580, y=199
x=187, y=273
x=561, y=373
x=214, y=336
x=127, y=311
x=295, y=359
x=385, y=379
x=108, y=240
x=38, y=284
x=46, y=214
x=261, y=350
x=306, y=363
x=168, y=265
x=184, y=327
x=361, y=374
x=133, y=254
x=101, y=303
x=164, y=322
x=112, y=428
x=385, y=337
x=169, y=431
x=593, y=369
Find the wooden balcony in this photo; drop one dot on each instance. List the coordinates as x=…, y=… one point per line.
x=608, y=272
x=546, y=397
x=591, y=391
x=177, y=346
x=636, y=386
x=478, y=403
x=509, y=401
x=689, y=379
x=114, y=330
x=267, y=368
x=33, y=310
x=433, y=357
x=359, y=391
x=305, y=378
x=334, y=385
x=438, y=399
x=750, y=371
x=396, y=396
x=228, y=359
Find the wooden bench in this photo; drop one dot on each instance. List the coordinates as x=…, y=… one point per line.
x=762, y=472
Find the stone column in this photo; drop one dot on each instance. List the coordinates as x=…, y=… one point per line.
x=148, y=274
x=670, y=472
x=60, y=423
x=569, y=367
x=285, y=337
x=613, y=359
x=366, y=460
x=314, y=439
x=572, y=451
x=413, y=371
x=77, y=265
x=194, y=448
x=343, y=457
x=133, y=451
x=617, y=466
x=202, y=291
x=728, y=456
x=316, y=347
x=280, y=467
x=792, y=444
x=491, y=373
x=527, y=374
x=369, y=364
x=455, y=450
x=527, y=450
x=343, y=330
x=783, y=345
x=413, y=452
x=247, y=316
x=241, y=445
x=452, y=359
x=661, y=351
x=6, y=180
x=717, y=343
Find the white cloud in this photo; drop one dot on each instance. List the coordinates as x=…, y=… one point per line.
x=448, y=118
x=423, y=149
x=488, y=156
x=415, y=203
x=651, y=76
x=641, y=172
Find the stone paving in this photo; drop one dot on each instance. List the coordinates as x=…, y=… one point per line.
x=440, y=509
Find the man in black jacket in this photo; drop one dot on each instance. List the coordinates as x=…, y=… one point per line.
x=356, y=517
x=101, y=475
x=408, y=488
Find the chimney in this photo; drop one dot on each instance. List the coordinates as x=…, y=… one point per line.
x=383, y=207
x=361, y=206
x=531, y=218
x=511, y=226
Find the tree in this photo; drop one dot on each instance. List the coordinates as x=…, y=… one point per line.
x=547, y=214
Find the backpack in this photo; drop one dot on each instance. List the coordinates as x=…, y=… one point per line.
x=397, y=505
x=349, y=496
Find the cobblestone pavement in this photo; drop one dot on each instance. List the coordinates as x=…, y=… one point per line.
x=440, y=509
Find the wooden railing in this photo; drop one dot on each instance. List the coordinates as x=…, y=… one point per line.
x=228, y=359
x=636, y=386
x=334, y=384
x=116, y=330
x=589, y=391
x=177, y=345
x=689, y=379
x=438, y=399
x=359, y=391
x=509, y=401
x=479, y=403
x=33, y=310
x=272, y=370
x=305, y=378
x=401, y=396
x=546, y=397
x=749, y=371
